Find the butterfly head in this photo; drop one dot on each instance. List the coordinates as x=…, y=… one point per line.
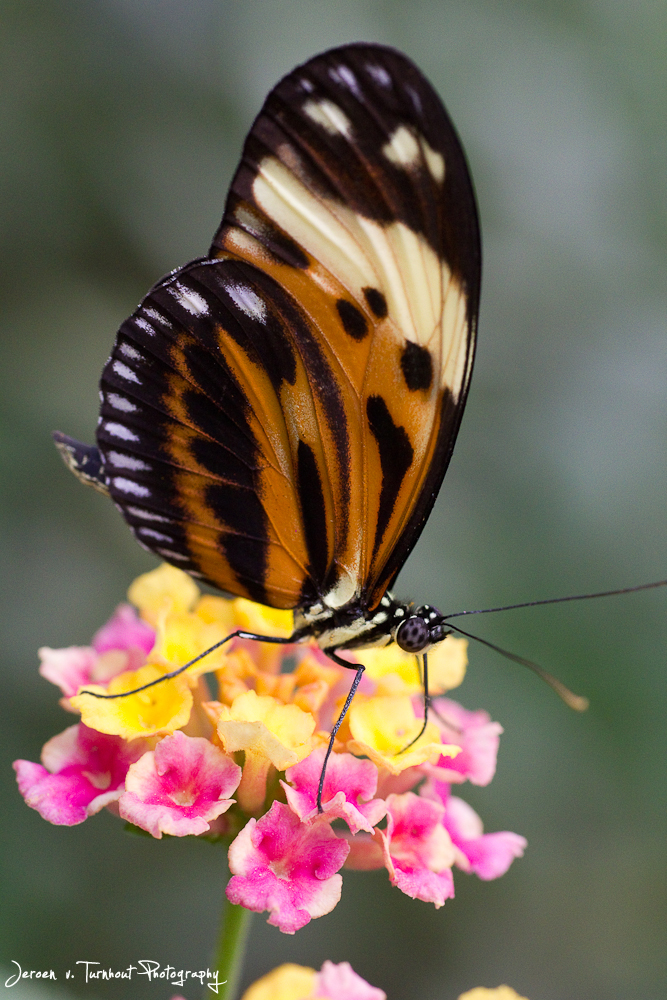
x=423, y=628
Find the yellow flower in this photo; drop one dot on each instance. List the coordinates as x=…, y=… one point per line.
x=262, y=620
x=216, y=611
x=383, y=727
x=287, y=982
x=447, y=664
x=183, y=635
x=270, y=733
x=446, y=667
x=163, y=589
x=161, y=709
x=499, y=993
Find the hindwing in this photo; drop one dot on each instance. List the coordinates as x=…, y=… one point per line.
x=278, y=416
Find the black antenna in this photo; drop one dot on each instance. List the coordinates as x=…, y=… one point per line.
x=557, y=600
x=575, y=701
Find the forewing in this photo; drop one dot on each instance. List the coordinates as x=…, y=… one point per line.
x=353, y=194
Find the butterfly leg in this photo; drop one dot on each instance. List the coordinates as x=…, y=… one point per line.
x=359, y=668
x=427, y=702
x=238, y=634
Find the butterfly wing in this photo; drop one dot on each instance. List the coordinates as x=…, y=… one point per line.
x=278, y=417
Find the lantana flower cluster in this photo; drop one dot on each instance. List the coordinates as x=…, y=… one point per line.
x=233, y=748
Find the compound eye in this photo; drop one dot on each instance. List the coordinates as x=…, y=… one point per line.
x=413, y=634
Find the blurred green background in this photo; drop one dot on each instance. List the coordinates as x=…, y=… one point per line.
x=121, y=123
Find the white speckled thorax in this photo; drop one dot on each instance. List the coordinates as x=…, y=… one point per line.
x=349, y=627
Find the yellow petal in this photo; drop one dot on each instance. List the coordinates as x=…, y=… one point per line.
x=446, y=666
x=164, y=587
x=383, y=727
x=262, y=620
x=391, y=661
x=257, y=740
x=287, y=982
x=183, y=635
x=499, y=993
x=216, y=610
x=162, y=709
x=264, y=726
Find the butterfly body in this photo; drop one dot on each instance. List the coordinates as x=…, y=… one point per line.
x=350, y=627
x=277, y=416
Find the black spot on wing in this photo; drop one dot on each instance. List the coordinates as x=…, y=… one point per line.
x=245, y=543
x=313, y=509
x=376, y=302
x=417, y=366
x=354, y=321
x=396, y=454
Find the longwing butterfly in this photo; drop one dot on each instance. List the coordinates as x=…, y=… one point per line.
x=277, y=416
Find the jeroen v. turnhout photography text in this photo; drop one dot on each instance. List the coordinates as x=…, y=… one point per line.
x=91, y=971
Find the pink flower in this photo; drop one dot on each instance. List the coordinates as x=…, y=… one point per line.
x=124, y=630
x=121, y=644
x=83, y=771
x=69, y=668
x=478, y=738
x=349, y=787
x=287, y=867
x=341, y=982
x=418, y=852
x=488, y=855
x=179, y=787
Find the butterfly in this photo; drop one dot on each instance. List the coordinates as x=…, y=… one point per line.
x=277, y=416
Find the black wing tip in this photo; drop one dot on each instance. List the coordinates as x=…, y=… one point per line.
x=358, y=48
x=84, y=460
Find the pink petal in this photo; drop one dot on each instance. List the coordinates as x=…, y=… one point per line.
x=84, y=771
x=431, y=887
x=397, y=784
x=68, y=668
x=287, y=867
x=341, y=982
x=488, y=855
x=349, y=786
x=60, y=799
x=415, y=832
x=418, y=852
x=124, y=630
x=478, y=738
x=491, y=855
x=180, y=787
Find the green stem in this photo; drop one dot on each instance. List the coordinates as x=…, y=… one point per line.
x=230, y=950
